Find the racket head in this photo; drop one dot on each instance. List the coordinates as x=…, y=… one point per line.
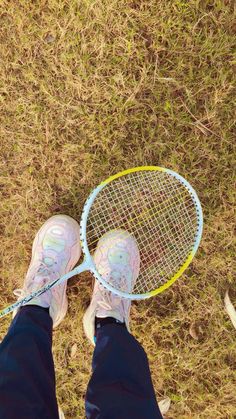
x=140, y=179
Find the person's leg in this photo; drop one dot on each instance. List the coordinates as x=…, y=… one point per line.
x=27, y=377
x=121, y=385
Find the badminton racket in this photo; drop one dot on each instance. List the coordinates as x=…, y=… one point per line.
x=160, y=209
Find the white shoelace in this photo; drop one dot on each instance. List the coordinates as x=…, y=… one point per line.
x=109, y=300
x=42, y=268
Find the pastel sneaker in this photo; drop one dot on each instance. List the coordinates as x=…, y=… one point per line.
x=56, y=250
x=117, y=260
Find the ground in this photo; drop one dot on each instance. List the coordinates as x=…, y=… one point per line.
x=89, y=88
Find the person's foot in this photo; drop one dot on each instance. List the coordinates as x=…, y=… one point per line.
x=56, y=250
x=117, y=260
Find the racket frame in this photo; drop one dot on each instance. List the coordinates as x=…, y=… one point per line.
x=83, y=223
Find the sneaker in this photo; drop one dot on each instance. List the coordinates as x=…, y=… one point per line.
x=117, y=259
x=56, y=250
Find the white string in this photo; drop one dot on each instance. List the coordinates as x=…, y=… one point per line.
x=159, y=211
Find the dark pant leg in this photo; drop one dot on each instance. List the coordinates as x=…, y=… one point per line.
x=27, y=376
x=121, y=385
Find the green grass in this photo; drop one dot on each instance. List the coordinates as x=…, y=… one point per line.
x=89, y=88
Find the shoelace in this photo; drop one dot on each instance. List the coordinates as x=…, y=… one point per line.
x=110, y=297
x=22, y=292
x=110, y=301
x=18, y=292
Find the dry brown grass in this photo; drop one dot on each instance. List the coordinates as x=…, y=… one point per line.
x=89, y=88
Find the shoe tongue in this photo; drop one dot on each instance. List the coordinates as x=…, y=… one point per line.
x=42, y=272
x=49, y=258
x=48, y=261
x=44, y=267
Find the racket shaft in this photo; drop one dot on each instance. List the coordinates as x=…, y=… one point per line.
x=81, y=268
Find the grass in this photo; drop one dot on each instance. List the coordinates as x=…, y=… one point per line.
x=89, y=88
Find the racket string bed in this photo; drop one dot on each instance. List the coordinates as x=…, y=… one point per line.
x=164, y=203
